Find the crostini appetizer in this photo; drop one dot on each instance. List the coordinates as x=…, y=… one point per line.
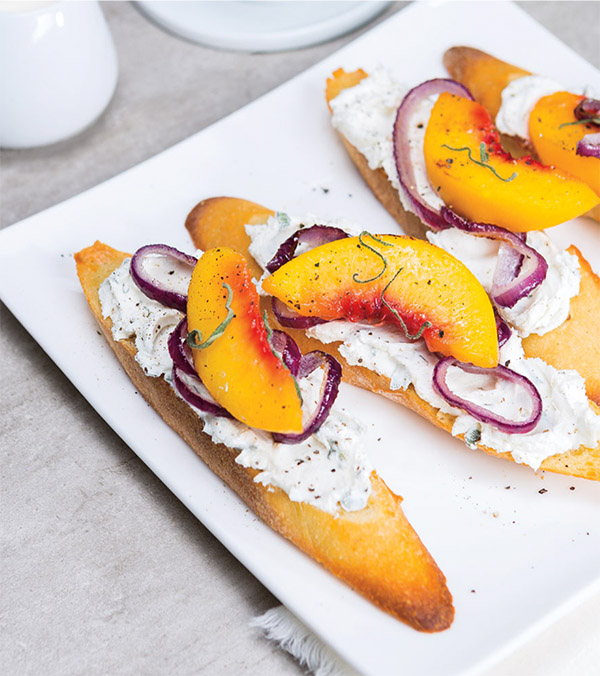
x=561, y=128
x=191, y=335
x=432, y=156
x=430, y=341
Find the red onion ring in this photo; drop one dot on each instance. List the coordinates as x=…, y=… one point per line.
x=329, y=391
x=290, y=318
x=315, y=236
x=519, y=270
x=202, y=402
x=587, y=108
x=154, y=288
x=287, y=347
x=403, y=150
x=180, y=351
x=478, y=412
x=589, y=145
x=503, y=329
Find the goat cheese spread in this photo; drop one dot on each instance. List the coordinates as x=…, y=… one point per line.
x=327, y=470
x=567, y=420
x=365, y=115
x=519, y=99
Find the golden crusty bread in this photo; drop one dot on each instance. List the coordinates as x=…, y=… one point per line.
x=574, y=344
x=375, y=550
x=219, y=221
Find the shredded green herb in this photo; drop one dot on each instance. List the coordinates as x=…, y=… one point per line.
x=194, y=338
x=588, y=120
x=424, y=325
x=283, y=218
x=280, y=357
x=482, y=163
x=472, y=436
x=483, y=153
x=377, y=253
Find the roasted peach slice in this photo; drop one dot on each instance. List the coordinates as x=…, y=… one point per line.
x=555, y=131
x=233, y=356
x=388, y=277
x=481, y=182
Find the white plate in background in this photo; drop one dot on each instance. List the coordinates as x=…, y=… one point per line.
x=515, y=558
x=258, y=26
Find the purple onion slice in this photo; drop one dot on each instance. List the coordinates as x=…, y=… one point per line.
x=503, y=329
x=588, y=109
x=407, y=155
x=314, y=236
x=329, y=392
x=153, y=287
x=180, y=351
x=290, y=318
x=478, y=412
x=519, y=270
x=198, y=397
x=589, y=145
x=287, y=347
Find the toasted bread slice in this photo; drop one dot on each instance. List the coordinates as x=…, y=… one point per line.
x=574, y=345
x=214, y=222
x=375, y=550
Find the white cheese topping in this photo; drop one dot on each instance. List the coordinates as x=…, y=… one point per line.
x=542, y=310
x=567, y=421
x=327, y=470
x=519, y=99
x=365, y=115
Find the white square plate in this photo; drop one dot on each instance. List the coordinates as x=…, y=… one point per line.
x=514, y=557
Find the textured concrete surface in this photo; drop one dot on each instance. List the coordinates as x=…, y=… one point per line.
x=103, y=570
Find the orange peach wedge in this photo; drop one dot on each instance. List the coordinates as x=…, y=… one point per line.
x=555, y=131
x=480, y=181
x=233, y=356
x=407, y=281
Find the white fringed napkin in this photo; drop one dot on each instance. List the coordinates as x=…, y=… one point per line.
x=279, y=625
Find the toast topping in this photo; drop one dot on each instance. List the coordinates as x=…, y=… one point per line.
x=542, y=310
x=567, y=421
x=398, y=279
x=329, y=470
x=518, y=100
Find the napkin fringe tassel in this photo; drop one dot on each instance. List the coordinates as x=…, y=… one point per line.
x=284, y=628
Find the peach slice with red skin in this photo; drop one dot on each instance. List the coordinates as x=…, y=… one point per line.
x=480, y=181
x=555, y=131
x=374, y=279
x=238, y=367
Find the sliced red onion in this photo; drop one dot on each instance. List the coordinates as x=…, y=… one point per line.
x=180, y=351
x=587, y=109
x=290, y=318
x=503, y=329
x=403, y=150
x=519, y=270
x=314, y=236
x=288, y=349
x=478, y=412
x=329, y=392
x=589, y=145
x=203, y=402
x=153, y=287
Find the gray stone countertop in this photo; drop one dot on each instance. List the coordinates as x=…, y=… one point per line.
x=104, y=571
